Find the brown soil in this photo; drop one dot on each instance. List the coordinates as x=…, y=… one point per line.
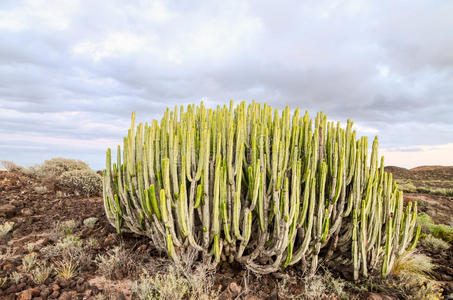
x=37, y=217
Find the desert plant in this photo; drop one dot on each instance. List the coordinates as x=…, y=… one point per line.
x=55, y=167
x=5, y=228
x=261, y=187
x=29, y=260
x=86, y=182
x=434, y=244
x=428, y=226
x=116, y=259
x=41, y=273
x=40, y=189
x=66, y=268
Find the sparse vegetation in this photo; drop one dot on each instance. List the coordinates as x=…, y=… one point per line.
x=174, y=284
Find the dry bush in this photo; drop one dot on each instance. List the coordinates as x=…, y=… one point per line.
x=434, y=244
x=115, y=263
x=9, y=165
x=55, y=167
x=85, y=182
x=40, y=189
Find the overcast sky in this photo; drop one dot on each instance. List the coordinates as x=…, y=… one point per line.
x=71, y=72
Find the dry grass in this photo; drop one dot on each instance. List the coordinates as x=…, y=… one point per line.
x=66, y=268
x=412, y=263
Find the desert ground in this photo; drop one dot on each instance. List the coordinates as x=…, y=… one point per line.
x=57, y=244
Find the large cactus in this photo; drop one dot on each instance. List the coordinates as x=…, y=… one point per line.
x=264, y=188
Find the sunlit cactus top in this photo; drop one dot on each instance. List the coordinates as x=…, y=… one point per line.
x=263, y=187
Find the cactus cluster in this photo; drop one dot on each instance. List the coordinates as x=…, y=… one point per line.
x=258, y=186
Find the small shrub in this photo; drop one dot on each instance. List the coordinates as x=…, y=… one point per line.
x=55, y=167
x=41, y=273
x=5, y=228
x=67, y=226
x=90, y=222
x=435, y=190
x=40, y=189
x=15, y=277
x=441, y=231
x=434, y=244
x=170, y=285
x=177, y=283
x=28, y=261
x=407, y=187
x=116, y=259
x=9, y=165
x=85, y=182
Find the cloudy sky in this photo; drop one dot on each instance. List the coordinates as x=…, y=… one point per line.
x=72, y=71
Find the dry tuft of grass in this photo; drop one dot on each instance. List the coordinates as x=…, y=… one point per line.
x=413, y=263
x=86, y=182
x=66, y=268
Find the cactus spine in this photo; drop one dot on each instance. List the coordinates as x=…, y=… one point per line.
x=261, y=187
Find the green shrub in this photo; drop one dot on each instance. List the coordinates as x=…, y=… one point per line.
x=86, y=182
x=441, y=231
x=407, y=187
x=435, y=190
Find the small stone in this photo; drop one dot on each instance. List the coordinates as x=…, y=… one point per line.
x=27, y=212
x=7, y=210
x=65, y=296
x=55, y=287
x=8, y=267
x=251, y=297
x=25, y=295
x=234, y=288
x=142, y=248
x=109, y=240
x=120, y=296
x=55, y=294
x=35, y=291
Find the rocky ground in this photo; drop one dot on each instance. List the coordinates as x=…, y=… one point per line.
x=60, y=246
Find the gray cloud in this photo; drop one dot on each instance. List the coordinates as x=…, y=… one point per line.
x=77, y=69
